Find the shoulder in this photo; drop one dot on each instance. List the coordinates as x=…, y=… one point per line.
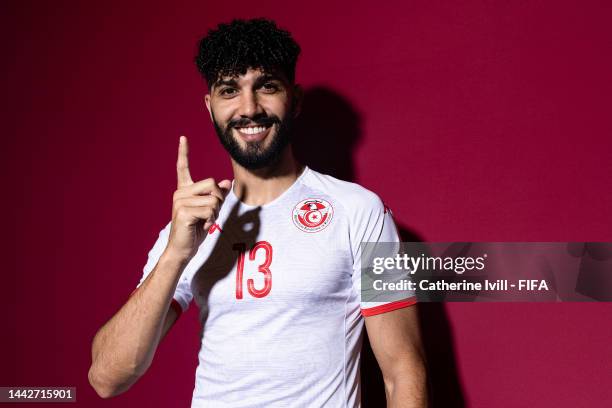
x=353, y=198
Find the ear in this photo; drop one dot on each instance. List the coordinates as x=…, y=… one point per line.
x=207, y=102
x=298, y=98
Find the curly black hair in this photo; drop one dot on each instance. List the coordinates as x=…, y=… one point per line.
x=232, y=48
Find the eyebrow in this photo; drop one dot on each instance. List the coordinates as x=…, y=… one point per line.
x=229, y=82
x=266, y=78
x=258, y=82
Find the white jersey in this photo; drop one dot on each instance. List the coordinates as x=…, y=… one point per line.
x=278, y=287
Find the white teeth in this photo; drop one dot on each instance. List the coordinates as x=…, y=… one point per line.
x=252, y=130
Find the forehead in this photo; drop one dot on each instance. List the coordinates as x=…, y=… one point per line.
x=250, y=76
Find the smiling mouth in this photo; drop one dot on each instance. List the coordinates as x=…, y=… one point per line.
x=252, y=130
x=253, y=133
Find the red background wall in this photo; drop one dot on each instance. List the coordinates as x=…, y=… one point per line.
x=480, y=121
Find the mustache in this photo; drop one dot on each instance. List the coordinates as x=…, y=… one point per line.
x=256, y=121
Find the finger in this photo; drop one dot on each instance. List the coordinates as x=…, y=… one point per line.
x=182, y=164
x=202, y=187
x=208, y=224
x=225, y=186
x=198, y=201
x=195, y=214
x=207, y=186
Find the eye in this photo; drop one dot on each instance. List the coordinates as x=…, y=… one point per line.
x=270, y=87
x=227, y=92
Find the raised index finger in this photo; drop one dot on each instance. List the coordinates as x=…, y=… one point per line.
x=182, y=164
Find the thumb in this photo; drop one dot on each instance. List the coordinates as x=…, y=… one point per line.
x=225, y=186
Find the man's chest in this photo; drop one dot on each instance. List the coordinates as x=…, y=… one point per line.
x=256, y=262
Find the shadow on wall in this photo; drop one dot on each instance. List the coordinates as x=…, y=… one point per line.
x=327, y=133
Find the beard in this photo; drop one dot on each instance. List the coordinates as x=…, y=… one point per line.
x=255, y=155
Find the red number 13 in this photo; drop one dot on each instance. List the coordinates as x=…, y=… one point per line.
x=263, y=268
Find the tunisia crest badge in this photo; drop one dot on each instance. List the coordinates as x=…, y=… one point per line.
x=312, y=214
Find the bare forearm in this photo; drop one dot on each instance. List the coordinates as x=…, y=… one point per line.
x=124, y=347
x=408, y=388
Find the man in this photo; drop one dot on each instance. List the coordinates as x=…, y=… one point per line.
x=271, y=258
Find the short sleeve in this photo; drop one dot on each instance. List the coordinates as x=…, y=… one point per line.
x=373, y=223
x=182, y=294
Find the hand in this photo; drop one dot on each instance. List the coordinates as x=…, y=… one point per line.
x=195, y=207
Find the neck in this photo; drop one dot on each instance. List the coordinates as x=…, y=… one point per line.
x=261, y=186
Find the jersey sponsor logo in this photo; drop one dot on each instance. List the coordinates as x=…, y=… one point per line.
x=312, y=214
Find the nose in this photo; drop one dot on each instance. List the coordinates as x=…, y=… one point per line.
x=249, y=105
